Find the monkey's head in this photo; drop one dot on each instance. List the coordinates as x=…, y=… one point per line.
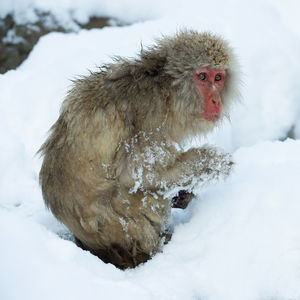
x=204, y=74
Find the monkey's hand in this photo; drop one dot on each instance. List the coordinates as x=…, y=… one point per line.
x=206, y=161
x=182, y=199
x=197, y=167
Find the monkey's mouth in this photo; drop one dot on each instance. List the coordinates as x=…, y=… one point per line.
x=211, y=117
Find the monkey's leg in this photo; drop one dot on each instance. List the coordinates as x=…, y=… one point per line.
x=126, y=229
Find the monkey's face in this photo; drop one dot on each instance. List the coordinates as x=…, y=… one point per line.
x=210, y=83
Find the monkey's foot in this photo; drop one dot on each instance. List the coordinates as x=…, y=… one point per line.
x=182, y=200
x=117, y=255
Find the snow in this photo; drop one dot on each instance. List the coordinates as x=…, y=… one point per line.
x=68, y=12
x=240, y=238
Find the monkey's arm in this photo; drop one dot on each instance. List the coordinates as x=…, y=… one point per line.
x=198, y=165
x=164, y=171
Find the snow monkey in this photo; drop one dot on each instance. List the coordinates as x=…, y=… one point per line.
x=114, y=164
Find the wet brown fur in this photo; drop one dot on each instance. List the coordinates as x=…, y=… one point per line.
x=115, y=148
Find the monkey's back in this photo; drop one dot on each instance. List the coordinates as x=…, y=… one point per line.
x=78, y=174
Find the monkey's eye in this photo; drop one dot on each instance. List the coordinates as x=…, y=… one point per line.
x=202, y=76
x=218, y=77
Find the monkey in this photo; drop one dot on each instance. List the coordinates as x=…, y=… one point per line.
x=113, y=163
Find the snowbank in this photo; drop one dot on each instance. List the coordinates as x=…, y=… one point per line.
x=237, y=240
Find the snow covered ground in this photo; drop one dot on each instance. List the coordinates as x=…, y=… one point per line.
x=239, y=239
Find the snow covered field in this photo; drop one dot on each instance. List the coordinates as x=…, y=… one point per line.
x=237, y=240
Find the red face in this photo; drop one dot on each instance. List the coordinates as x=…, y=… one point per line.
x=210, y=83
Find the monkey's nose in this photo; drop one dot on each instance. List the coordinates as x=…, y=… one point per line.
x=216, y=102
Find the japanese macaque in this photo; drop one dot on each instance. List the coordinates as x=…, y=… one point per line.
x=114, y=164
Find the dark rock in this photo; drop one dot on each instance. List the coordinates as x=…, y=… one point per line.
x=17, y=40
x=96, y=23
